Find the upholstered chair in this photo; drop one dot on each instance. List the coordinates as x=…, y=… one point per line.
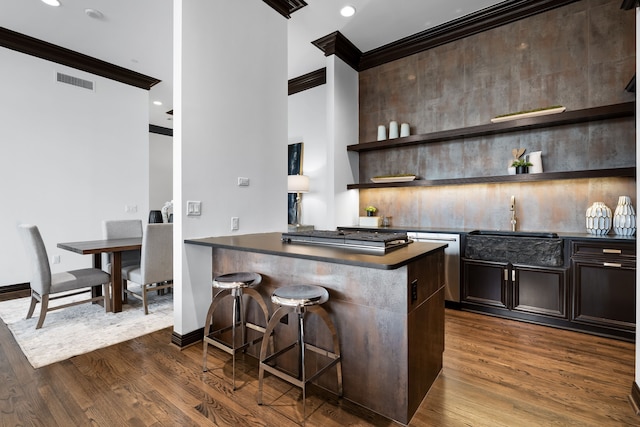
x=155, y=270
x=45, y=286
x=122, y=229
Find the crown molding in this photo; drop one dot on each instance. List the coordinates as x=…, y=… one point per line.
x=337, y=44
x=50, y=52
x=629, y=4
x=286, y=7
x=308, y=81
x=483, y=20
x=160, y=130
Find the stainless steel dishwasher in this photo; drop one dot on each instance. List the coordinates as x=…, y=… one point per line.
x=451, y=260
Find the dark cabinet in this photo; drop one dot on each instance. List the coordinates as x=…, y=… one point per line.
x=540, y=290
x=515, y=288
x=484, y=283
x=604, y=284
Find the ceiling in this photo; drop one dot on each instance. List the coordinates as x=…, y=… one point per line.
x=136, y=34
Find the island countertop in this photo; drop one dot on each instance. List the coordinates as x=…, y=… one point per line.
x=271, y=243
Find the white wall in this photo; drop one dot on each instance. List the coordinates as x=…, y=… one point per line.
x=160, y=170
x=342, y=124
x=230, y=121
x=308, y=124
x=325, y=118
x=70, y=158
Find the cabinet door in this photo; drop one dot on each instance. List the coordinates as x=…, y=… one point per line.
x=604, y=294
x=485, y=283
x=540, y=291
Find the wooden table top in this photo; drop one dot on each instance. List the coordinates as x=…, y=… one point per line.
x=99, y=246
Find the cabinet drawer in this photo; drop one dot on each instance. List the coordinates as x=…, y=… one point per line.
x=604, y=250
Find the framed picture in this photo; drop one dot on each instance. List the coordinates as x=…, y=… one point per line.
x=294, y=168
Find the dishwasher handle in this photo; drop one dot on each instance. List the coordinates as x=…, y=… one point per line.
x=429, y=239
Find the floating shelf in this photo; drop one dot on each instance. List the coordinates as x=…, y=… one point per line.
x=527, y=177
x=626, y=109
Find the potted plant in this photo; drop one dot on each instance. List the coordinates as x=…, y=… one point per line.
x=370, y=210
x=521, y=165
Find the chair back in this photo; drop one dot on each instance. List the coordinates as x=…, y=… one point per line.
x=38, y=259
x=122, y=229
x=157, y=253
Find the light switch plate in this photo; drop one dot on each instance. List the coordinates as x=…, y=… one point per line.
x=243, y=182
x=193, y=208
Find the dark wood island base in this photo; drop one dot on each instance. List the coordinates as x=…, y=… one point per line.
x=388, y=310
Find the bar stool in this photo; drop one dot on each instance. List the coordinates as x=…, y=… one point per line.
x=299, y=299
x=236, y=285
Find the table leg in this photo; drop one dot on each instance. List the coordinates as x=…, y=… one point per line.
x=116, y=282
x=96, y=291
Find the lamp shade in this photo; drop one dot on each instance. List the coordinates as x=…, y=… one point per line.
x=297, y=184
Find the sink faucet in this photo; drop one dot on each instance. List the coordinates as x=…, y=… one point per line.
x=513, y=213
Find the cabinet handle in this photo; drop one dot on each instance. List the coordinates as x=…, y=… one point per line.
x=506, y=275
x=612, y=264
x=612, y=251
x=513, y=275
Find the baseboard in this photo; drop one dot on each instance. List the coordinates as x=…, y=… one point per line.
x=634, y=397
x=10, y=292
x=187, y=340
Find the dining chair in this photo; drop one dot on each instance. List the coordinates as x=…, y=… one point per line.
x=155, y=271
x=45, y=285
x=121, y=229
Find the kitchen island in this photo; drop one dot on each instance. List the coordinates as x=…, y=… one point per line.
x=388, y=308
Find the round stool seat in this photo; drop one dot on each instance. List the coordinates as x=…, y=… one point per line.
x=300, y=295
x=237, y=280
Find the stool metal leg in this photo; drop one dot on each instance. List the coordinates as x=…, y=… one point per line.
x=237, y=320
x=302, y=371
x=302, y=378
x=209, y=322
x=275, y=319
x=324, y=315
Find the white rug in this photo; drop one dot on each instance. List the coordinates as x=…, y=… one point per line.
x=82, y=328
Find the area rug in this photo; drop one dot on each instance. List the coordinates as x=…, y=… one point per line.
x=82, y=328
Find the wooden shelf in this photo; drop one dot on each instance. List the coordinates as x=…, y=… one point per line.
x=626, y=109
x=528, y=177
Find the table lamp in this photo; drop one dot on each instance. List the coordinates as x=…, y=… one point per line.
x=298, y=184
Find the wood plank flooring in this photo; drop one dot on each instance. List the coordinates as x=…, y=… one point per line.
x=496, y=373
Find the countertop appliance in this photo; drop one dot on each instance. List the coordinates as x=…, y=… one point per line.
x=451, y=260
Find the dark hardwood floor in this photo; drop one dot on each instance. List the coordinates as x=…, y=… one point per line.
x=496, y=373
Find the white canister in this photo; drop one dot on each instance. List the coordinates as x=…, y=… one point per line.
x=393, y=129
x=536, y=159
x=404, y=130
x=382, y=133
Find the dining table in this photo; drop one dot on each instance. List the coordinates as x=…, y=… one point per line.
x=113, y=246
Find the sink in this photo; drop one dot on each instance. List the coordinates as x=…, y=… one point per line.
x=543, y=235
x=515, y=247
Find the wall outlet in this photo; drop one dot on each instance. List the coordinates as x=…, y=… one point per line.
x=243, y=182
x=235, y=223
x=55, y=259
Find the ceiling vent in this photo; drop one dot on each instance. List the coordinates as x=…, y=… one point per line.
x=74, y=81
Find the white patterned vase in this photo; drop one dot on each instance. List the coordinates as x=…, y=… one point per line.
x=598, y=219
x=624, y=218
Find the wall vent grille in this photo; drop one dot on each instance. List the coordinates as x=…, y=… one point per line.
x=74, y=81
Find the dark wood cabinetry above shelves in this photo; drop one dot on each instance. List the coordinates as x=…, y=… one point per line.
x=615, y=111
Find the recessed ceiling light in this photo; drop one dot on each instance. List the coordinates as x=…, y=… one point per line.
x=51, y=2
x=157, y=102
x=348, y=11
x=93, y=13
